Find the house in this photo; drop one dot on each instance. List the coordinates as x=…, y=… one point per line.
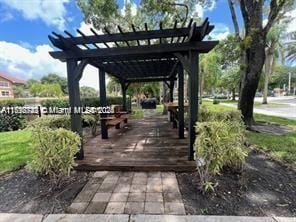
x=6, y=83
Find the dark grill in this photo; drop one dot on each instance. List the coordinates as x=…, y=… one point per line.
x=149, y=103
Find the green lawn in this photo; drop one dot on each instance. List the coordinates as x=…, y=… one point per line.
x=281, y=147
x=15, y=149
x=138, y=113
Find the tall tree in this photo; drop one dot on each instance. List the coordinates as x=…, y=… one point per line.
x=291, y=47
x=88, y=92
x=271, y=54
x=229, y=51
x=53, y=78
x=210, y=71
x=253, y=45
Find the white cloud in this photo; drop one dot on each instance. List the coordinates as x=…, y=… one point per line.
x=134, y=7
x=6, y=16
x=198, y=11
x=292, y=24
x=25, y=63
x=220, y=32
x=52, y=12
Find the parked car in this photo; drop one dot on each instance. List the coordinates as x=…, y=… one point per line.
x=220, y=96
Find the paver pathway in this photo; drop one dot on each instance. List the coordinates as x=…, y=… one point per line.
x=130, y=193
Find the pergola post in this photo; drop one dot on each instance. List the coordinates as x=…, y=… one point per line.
x=181, y=100
x=74, y=100
x=164, y=100
x=193, y=69
x=103, y=103
x=172, y=90
x=124, y=88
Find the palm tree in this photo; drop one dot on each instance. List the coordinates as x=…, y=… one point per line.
x=272, y=51
x=291, y=48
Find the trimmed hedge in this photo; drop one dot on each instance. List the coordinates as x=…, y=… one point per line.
x=9, y=121
x=91, y=102
x=207, y=115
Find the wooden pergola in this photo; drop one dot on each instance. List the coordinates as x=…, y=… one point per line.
x=137, y=56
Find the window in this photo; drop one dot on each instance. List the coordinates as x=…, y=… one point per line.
x=4, y=93
x=4, y=84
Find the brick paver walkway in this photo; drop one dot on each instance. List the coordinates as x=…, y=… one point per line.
x=130, y=193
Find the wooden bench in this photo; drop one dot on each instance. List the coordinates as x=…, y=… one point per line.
x=116, y=121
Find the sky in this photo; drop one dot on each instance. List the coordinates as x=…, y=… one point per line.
x=26, y=24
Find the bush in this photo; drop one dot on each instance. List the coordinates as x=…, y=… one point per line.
x=11, y=121
x=207, y=115
x=60, y=103
x=91, y=102
x=53, y=152
x=52, y=122
x=216, y=101
x=219, y=143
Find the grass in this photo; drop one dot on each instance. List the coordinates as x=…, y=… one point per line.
x=15, y=149
x=281, y=147
x=138, y=113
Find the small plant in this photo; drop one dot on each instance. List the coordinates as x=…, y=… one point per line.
x=11, y=121
x=218, y=144
x=53, y=152
x=92, y=120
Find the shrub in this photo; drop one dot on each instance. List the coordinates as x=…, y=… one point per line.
x=91, y=102
x=11, y=121
x=207, y=115
x=218, y=144
x=60, y=103
x=216, y=101
x=53, y=152
x=52, y=122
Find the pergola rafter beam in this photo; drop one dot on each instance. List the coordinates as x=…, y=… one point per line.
x=201, y=47
x=149, y=79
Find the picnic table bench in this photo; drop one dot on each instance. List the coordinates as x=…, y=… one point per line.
x=116, y=118
x=173, y=111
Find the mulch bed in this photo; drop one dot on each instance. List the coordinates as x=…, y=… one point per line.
x=264, y=188
x=23, y=192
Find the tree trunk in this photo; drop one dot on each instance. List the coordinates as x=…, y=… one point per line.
x=268, y=69
x=164, y=98
x=233, y=94
x=254, y=61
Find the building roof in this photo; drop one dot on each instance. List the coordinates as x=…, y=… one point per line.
x=12, y=79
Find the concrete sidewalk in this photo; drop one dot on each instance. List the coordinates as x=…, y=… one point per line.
x=6, y=217
x=288, y=112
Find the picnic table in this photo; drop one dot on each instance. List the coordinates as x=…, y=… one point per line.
x=173, y=112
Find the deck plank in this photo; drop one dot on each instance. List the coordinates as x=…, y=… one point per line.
x=149, y=144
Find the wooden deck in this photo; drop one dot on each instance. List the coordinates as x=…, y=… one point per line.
x=149, y=144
